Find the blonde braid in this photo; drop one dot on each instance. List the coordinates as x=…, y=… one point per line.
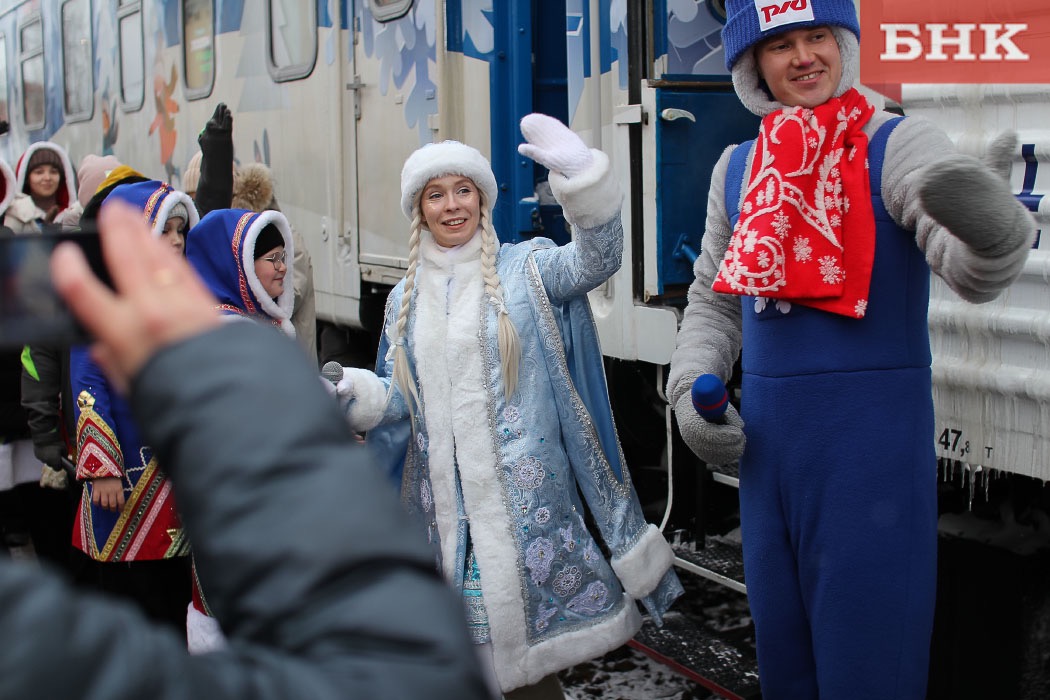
x=402, y=374
x=509, y=342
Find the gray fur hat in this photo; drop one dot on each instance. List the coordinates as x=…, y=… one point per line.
x=440, y=159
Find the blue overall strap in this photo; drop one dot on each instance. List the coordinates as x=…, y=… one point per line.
x=877, y=153
x=735, y=178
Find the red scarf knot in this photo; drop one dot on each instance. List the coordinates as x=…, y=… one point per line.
x=808, y=191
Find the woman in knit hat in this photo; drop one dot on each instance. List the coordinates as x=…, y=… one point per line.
x=490, y=354
x=127, y=521
x=242, y=256
x=819, y=241
x=46, y=186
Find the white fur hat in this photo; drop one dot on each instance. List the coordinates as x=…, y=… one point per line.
x=440, y=159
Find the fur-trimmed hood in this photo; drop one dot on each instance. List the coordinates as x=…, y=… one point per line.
x=67, y=192
x=156, y=199
x=221, y=248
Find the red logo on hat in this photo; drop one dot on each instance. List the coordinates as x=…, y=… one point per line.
x=953, y=41
x=779, y=13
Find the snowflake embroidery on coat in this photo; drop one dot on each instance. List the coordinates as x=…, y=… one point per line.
x=528, y=473
x=539, y=557
x=591, y=601
x=545, y=613
x=830, y=270
x=567, y=581
x=542, y=515
x=781, y=224
x=426, y=498
x=421, y=442
x=567, y=540
x=511, y=414
x=861, y=308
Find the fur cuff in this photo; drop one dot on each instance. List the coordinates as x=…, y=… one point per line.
x=591, y=198
x=641, y=568
x=365, y=409
x=203, y=633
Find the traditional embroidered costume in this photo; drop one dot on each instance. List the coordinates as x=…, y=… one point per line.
x=108, y=442
x=222, y=250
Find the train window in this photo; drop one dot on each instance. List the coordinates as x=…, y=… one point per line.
x=77, y=75
x=386, y=10
x=198, y=47
x=3, y=79
x=132, y=60
x=292, y=41
x=32, y=59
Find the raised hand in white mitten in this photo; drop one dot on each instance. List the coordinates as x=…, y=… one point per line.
x=554, y=145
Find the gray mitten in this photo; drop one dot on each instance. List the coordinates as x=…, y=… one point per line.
x=715, y=443
x=972, y=199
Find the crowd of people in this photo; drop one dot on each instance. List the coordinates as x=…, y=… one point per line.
x=204, y=475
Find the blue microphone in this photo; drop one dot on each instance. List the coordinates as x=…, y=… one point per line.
x=710, y=398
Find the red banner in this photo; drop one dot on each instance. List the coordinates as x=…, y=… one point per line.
x=953, y=41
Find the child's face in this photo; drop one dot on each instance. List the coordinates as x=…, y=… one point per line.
x=174, y=233
x=271, y=269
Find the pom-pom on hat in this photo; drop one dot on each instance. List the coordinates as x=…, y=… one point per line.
x=750, y=21
x=156, y=200
x=440, y=159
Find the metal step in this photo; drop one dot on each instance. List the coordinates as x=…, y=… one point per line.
x=719, y=561
x=724, y=662
x=728, y=474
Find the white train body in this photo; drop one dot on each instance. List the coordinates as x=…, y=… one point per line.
x=334, y=96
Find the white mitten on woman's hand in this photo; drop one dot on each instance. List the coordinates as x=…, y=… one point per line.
x=554, y=145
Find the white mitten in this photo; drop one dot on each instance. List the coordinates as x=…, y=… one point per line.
x=363, y=397
x=715, y=443
x=554, y=145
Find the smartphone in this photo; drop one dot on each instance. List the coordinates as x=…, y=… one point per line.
x=30, y=309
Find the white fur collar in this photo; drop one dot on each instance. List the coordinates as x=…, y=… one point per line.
x=446, y=258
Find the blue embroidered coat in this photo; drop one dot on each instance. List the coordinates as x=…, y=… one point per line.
x=503, y=479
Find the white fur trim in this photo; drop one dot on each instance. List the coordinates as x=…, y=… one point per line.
x=525, y=665
x=203, y=633
x=282, y=310
x=449, y=367
x=749, y=88
x=67, y=167
x=591, y=198
x=167, y=204
x=10, y=186
x=440, y=159
x=369, y=398
x=643, y=565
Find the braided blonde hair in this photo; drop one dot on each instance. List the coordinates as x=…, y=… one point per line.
x=509, y=342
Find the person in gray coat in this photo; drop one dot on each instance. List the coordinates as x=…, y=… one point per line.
x=342, y=602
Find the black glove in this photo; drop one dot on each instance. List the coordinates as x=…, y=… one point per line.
x=215, y=188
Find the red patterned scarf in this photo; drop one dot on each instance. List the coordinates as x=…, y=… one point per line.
x=808, y=190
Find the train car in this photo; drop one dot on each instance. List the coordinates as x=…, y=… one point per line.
x=334, y=94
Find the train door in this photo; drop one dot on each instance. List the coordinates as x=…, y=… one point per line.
x=693, y=115
x=392, y=105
